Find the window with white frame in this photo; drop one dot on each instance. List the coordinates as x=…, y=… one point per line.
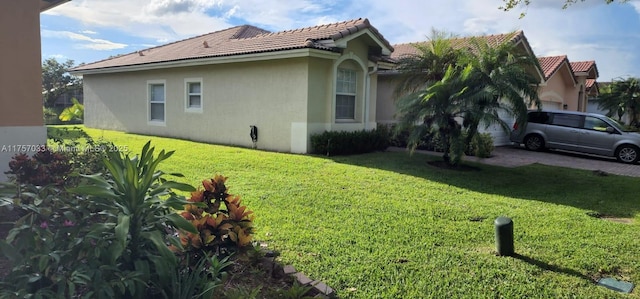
x=156, y=101
x=346, y=94
x=193, y=96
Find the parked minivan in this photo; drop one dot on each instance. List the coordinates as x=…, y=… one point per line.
x=577, y=131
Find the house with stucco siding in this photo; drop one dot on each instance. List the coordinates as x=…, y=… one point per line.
x=388, y=79
x=21, y=121
x=212, y=88
x=567, y=85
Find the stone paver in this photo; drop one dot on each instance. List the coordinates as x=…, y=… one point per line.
x=512, y=156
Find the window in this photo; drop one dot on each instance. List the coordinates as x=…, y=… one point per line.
x=567, y=120
x=538, y=117
x=156, y=101
x=593, y=123
x=346, y=94
x=193, y=95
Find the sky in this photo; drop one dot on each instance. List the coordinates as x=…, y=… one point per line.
x=91, y=30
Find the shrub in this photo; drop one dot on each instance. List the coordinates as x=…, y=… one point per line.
x=481, y=146
x=109, y=240
x=43, y=168
x=348, y=143
x=223, y=224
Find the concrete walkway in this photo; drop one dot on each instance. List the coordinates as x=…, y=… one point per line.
x=511, y=156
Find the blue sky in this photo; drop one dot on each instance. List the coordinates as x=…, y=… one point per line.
x=91, y=30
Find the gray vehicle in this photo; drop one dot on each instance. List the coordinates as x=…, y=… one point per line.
x=580, y=132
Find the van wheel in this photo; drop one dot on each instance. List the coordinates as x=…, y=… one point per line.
x=627, y=154
x=534, y=142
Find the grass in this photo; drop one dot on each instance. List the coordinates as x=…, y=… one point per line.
x=387, y=225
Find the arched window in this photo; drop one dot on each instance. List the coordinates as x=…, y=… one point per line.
x=349, y=90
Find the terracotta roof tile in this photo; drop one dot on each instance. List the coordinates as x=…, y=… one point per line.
x=550, y=64
x=401, y=50
x=586, y=67
x=237, y=41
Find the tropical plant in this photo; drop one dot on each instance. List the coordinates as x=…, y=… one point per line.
x=73, y=113
x=481, y=83
x=43, y=168
x=503, y=84
x=220, y=229
x=436, y=109
x=111, y=243
x=620, y=98
x=428, y=64
x=137, y=204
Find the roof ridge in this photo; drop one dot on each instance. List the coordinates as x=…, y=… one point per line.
x=163, y=45
x=335, y=24
x=244, y=29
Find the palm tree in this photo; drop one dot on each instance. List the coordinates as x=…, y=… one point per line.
x=435, y=109
x=429, y=64
x=442, y=85
x=426, y=80
x=503, y=83
x=622, y=97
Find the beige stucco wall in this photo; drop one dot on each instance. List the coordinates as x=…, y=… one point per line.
x=385, y=106
x=560, y=90
x=270, y=95
x=21, y=123
x=20, y=65
x=288, y=99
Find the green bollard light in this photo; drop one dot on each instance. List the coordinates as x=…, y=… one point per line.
x=504, y=236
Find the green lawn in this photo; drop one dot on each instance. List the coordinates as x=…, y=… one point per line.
x=387, y=225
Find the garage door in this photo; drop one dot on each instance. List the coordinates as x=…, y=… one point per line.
x=500, y=137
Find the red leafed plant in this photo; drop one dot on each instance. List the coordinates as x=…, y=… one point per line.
x=223, y=223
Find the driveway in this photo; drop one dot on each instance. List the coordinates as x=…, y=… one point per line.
x=511, y=156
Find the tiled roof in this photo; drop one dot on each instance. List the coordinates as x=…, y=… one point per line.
x=550, y=64
x=586, y=67
x=401, y=50
x=240, y=40
x=589, y=83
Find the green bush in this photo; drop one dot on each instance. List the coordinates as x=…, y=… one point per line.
x=108, y=238
x=350, y=143
x=481, y=145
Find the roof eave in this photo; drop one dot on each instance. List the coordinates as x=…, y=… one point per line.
x=49, y=4
x=260, y=56
x=341, y=42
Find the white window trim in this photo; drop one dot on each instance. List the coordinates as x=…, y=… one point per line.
x=354, y=95
x=187, y=94
x=148, y=103
x=359, y=119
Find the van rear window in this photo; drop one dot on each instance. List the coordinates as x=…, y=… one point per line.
x=538, y=117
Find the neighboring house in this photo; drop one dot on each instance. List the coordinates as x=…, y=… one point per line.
x=567, y=85
x=559, y=85
x=213, y=87
x=21, y=120
x=387, y=80
x=584, y=71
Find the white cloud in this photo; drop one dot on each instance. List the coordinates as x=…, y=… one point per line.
x=157, y=19
x=89, y=32
x=86, y=41
x=550, y=29
x=60, y=57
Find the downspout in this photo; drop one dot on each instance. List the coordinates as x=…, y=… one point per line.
x=368, y=96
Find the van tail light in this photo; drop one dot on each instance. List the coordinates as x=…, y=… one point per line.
x=515, y=125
